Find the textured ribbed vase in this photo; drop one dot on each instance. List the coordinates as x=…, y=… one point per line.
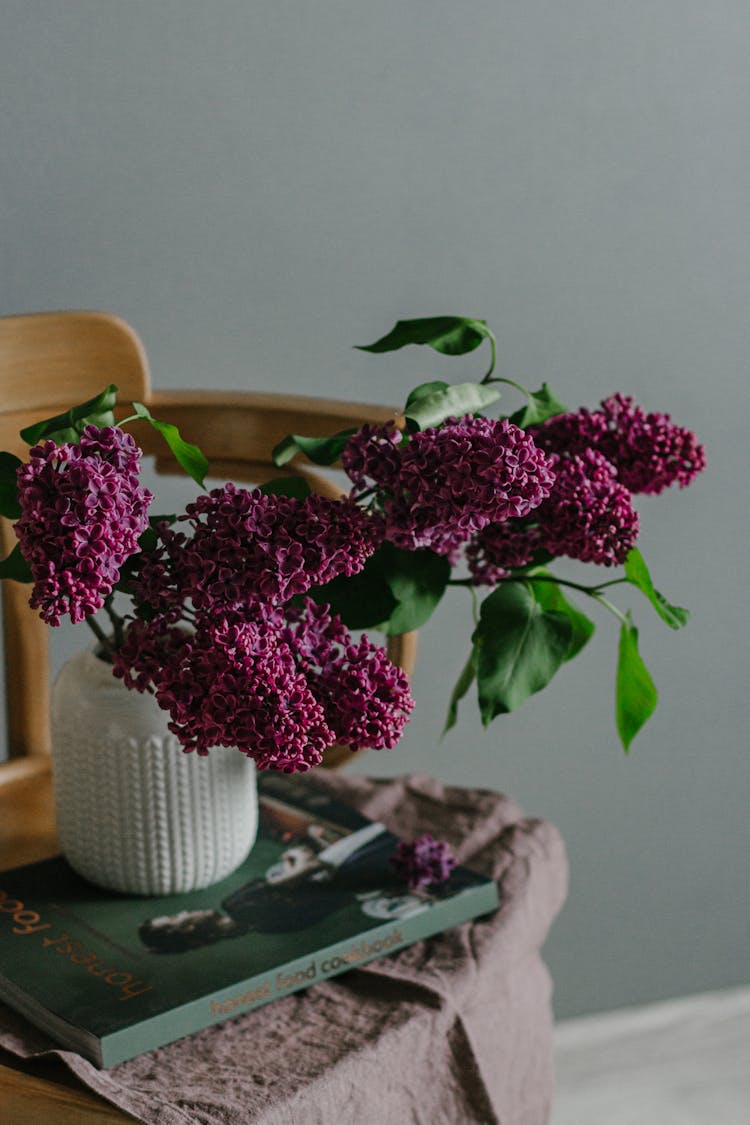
x=134, y=812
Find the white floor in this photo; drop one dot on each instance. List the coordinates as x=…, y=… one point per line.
x=685, y=1062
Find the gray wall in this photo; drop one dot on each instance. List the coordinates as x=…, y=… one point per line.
x=258, y=187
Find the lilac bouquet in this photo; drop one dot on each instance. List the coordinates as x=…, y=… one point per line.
x=220, y=626
x=471, y=501
x=240, y=608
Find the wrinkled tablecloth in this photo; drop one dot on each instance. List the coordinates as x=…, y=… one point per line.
x=455, y=1030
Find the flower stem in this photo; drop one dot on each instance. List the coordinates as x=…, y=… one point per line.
x=612, y=582
x=365, y=494
x=474, y=604
x=118, y=623
x=512, y=383
x=591, y=591
x=471, y=586
x=100, y=635
x=612, y=608
x=493, y=346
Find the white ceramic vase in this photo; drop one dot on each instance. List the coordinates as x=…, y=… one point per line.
x=134, y=812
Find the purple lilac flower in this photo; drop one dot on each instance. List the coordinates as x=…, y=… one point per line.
x=279, y=683
x=150, y=653
x=500, y=547
x=648, y=450
x=82, y=512
x=233, y=682
x=366, y=698
x=456, y=479
x=372, y=457
x=589, y=515
x=423, y=862
x=247, y=546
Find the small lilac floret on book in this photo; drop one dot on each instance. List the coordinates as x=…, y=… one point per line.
x=424, y=862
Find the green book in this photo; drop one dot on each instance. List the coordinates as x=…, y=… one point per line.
x=111, y=976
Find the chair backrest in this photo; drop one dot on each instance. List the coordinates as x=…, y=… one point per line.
x=49, y=361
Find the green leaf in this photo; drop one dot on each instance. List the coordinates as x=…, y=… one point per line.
x=452, y=401
x=451, y=335
x=396, y=591
x=15, y=566
x=464, y=682
x=542, y=405
x=637, y=574
x=417, y=580
x=362, y=601
x=425, y=389
x=518, y=645
x=97, y=411
x=321, y=451
x=148, y=541
x=550, y=597
x=188, y=456
x=636, y=696
x=287, y=486
x=9, y=506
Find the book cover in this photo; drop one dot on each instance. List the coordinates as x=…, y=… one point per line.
x=111, y=976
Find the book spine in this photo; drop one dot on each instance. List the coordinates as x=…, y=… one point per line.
x=298, y=974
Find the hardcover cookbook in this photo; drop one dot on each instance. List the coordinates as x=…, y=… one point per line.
x=112, y=976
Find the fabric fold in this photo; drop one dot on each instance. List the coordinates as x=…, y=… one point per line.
x=454, y=1030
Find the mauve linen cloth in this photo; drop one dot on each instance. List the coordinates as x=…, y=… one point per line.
x=455, y=1030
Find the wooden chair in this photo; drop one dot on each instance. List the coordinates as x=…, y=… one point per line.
x=48, y=362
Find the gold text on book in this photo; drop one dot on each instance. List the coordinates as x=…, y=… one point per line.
x=29, y=922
